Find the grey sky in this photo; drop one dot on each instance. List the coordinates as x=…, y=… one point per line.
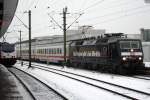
x=126, y=16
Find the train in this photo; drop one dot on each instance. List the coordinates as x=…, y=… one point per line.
x=113, y=53
x=7, y=54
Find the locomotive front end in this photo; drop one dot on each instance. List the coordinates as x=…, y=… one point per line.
x=7, y=54
x=131, y=54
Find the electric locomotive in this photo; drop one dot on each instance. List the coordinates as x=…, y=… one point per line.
x=7, y=54
x=112, y=53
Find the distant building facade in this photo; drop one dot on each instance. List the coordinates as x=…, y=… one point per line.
x=134, y=36
x=147, y=1
x=84, y=32
x=145, y=35
x=146, y=51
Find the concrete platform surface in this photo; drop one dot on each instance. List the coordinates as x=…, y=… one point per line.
x=8, y=87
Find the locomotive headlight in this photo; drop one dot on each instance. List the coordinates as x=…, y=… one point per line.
x=124, y=58
x=131, y=50
x=140, y=58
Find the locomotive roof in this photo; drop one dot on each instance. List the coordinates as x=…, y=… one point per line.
x=26, y=41
x=99, y=40
x=4, y=43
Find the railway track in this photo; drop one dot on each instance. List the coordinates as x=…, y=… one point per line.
x=36, y=88
x=107, y=86
x=143, y=77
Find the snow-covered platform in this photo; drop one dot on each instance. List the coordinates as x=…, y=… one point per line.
x=8, y=87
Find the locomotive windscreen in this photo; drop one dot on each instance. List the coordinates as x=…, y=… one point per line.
x=130, y=44
x=8, y=48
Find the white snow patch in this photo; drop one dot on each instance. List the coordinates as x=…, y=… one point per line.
x=147, y=64
x=79, y=91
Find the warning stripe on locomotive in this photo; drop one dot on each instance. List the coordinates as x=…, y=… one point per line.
x=131, y=53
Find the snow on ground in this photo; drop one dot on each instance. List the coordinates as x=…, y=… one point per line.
x=76, y=90
x=73, y=89
x=147, y=64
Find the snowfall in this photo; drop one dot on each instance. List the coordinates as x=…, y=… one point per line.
x=75, y=90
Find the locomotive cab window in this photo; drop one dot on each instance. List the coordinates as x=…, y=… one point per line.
x=8, y=48
x=129, y=44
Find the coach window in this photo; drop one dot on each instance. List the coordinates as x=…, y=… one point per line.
x=53, y=51
x=50, y=51
x=60, y=51
x=46, y=51
x=42, y=51
x=57, y=50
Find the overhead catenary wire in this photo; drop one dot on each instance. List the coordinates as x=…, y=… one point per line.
x=117, y=12
x=114, y=6
x=36, y=3
x=32, y=3
x=88, y=8
x=122, y=16
x=74, y=21
x=96, y=3
x=82, y=5
x=55, y=21
x=22, y=22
